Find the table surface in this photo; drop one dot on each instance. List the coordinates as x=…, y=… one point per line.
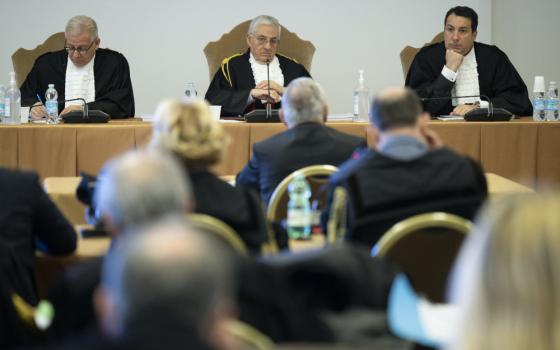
x=521, y=150
x=497, y=186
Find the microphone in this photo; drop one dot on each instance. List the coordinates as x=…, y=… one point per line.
x=85, y=111
x=489, y=114
x=84, y=116
x=268, y=103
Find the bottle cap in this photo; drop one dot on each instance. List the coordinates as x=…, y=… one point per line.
x=51, y=86
x=538, y=86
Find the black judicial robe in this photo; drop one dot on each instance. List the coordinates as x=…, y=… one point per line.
x=497, y=79
x=233, y=82
x=113, y=88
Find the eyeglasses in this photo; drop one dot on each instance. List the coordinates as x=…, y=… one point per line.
x=79, y=50
x=262, y=40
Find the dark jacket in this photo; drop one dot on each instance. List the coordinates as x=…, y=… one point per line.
x=233, y=82
x=29, y=220
x=300, y=146
x=113, y=88
x=497, y=79
x=383, y=191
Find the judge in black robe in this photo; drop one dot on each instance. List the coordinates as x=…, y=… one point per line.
x=233, y=82
x=113, y=88
x=497, y=79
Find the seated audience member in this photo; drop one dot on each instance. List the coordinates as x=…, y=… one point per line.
x=166, y=287
x=133, y=190
x=82, y=70
x=459, y=66
x=306, y=142
x=241, y=84
x=408, y=172
x=29, y=221
x=505, y=280
x=188, y=130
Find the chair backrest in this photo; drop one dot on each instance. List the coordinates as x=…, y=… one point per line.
x=425, y=247
x=316, y=175
x=337, y=224
x=409, y=52
x=235, y=42
x=248, y=337
x=220, y=229
x=24, y=59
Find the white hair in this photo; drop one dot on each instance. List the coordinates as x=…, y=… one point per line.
x=266, y=20
x=141, y=186
x=303, y=101
x=80, y=24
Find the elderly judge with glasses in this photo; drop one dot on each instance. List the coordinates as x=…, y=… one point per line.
x=82, y=70
x=241, y=83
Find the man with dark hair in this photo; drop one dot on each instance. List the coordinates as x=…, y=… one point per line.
x=459, y=66
x=407, y=172
x=241, y=83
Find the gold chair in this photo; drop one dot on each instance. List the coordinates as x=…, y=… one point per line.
x=223, y=231
x=248, y=337
x=409, y=52
x=337, y=224
x=425, y=247
x=24, y=59
x=235, y=42
x=316, y=175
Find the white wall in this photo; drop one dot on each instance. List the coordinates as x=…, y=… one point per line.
x=163, y=40
x=529, y=32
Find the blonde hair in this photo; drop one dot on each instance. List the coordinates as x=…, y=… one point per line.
x=508, y=277
x=187, y=129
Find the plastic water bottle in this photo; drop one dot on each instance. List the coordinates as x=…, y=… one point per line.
x=2, y=103
x=299, y=209
x=539, y=108
x=190, y=91
x=361, y=100
x=539, y=101
x=51, y=104
x=12, y=102
x=552, y=102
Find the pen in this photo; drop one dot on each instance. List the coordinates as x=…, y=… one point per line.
x=39, y=98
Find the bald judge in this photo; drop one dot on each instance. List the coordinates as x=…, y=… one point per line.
x=81, y=70
x=241, y=84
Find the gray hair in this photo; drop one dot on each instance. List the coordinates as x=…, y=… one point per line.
x=167, y=272
x=264, y=19
x=141, y=186
x=395, y=107
x=80, y=24
x=303, y=101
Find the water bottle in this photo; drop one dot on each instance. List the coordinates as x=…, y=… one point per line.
x=361, y=100
x=299, y=210
x=2, y=103
x=539, y=107
x=539, y=101
x=190, y=91
x=12, y=102
x=552, y=102
x=51, y=104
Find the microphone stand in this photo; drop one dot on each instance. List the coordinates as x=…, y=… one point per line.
x=268, y=103
x=85, y=111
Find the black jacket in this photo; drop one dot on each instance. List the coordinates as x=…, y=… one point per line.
x=303, y=145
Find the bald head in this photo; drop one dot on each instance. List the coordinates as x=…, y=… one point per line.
x=167, y=272
x=395, y=107
x=303, y=101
